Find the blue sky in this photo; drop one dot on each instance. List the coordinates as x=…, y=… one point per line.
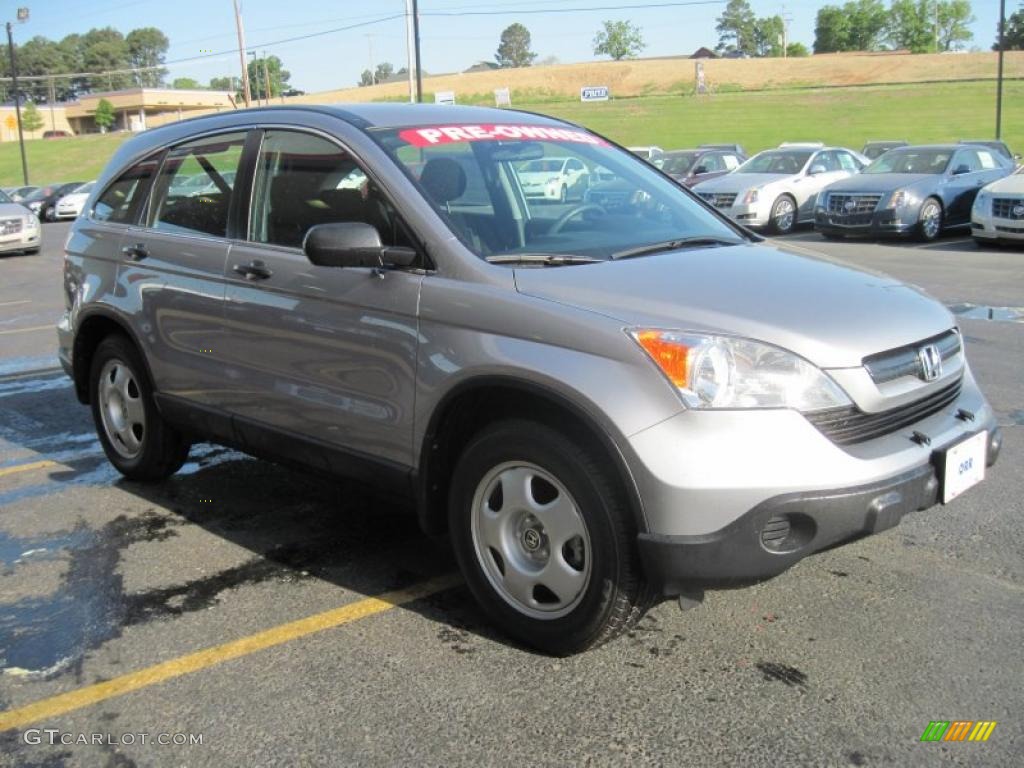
x=450, y=43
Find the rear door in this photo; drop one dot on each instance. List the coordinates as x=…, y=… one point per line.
x=320, y=354
x=976, y=165
x=172, y=267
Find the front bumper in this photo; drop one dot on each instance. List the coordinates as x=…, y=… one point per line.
x=882, y=222
x=782, y=530
x=24, y=241
x=991, y=228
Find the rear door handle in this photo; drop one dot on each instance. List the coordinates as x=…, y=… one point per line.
x=254, y=270
x=135, y=252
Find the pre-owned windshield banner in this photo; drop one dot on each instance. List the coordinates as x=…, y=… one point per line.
x=452, y=134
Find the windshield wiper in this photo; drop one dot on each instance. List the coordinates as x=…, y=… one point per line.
x=674, y=245
x=544, y=259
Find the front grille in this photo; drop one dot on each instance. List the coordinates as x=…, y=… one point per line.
x=851, y=208
x=720, y=199
x=10, y=226
x=1011, y=230
x=905, y=361
x=1007, y=208
x=846, y=426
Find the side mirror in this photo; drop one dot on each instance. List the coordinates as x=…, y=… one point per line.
x=352, y=244
x=816, y=169
x=699, y=170
x=960, y=170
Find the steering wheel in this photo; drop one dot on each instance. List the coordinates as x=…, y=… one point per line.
x=565, y=217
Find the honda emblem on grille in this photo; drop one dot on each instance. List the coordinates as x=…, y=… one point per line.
x=850, y=205
x=931, y=362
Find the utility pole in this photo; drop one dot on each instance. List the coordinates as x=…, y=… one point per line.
x=266, y=76
x=786, y=18
x=246, y=93
x=999, y=76
x=369, y=43
x=416, y=46
x=936, y=6
x=17, y=94
x=53, y=98
x=410, y=66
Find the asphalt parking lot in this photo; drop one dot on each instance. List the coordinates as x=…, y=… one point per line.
x=287, y=620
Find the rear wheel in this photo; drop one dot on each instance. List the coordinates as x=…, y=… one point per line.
x=31, y=251
x=929, y=220
x=134, y=436
x=783, y=216
x=544, y=538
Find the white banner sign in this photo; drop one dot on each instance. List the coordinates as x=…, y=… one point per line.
x=502, y=97
x=444, y=97
x=594, y=93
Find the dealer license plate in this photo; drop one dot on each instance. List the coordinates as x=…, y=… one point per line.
x=963, y=466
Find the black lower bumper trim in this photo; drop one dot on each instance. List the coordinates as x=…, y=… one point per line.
x=779, y=532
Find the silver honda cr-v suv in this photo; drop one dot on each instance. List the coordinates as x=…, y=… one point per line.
x=602, y=405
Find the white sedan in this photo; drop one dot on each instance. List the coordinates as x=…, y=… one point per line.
x=19, y=227
x=553, y=178
x=71, y=205
x=998, y=212
x=777, y=188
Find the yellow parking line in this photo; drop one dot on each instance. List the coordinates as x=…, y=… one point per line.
x=27, y=467
x=193, y=662
x=50, y=327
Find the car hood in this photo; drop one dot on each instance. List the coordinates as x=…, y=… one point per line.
x=1008, y=185
x=883, y=182
x=75, y=198
x=692, y=181
x=7, y=210
x=538, y=177
x=829, y=313
x=737, y=182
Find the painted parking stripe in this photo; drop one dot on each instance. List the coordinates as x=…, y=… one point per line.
x=28, y=330
x=31, y=467
x=15, y=303
x=194, y=662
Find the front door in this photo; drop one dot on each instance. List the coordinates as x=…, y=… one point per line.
x=322, y=354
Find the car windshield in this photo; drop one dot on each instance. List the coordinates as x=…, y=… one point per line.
x=473, y=175
x=39, y=194
x=543, y=166
x=85, y=188
x=679, y=163
x=4, y=197
x=911, y=161
x=783, y=161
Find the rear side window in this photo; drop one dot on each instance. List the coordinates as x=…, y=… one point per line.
x=194, y=189
x=121, y=201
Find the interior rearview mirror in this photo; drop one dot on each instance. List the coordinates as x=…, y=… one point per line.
x=518, y=151
x=352, y=244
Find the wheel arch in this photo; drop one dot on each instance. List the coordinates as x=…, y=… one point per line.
x=479, y=401
x=92, y=329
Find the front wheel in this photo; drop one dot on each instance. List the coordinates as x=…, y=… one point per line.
x=783, y=216
x=50, y=214
x=137, y=441
x=929, y=220
x=545, y=538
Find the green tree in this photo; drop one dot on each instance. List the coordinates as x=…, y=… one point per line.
x=384, y=70
x=31, y=120
x=278, y=77
x=912, y=25
x=146, y=48
x=768, y=34
x=1013, y=32
x=225, y=83
x=831, y=30
x=736, y=28
x=797, y=50
x=105, y=115
x=856, y=26
x=619, y=39
x=514, y=47
x=953, y=20
x=104, y=50
x=188, y=84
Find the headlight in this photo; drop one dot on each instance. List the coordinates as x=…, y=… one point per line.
x=35, y=206
x=730, y=372
x=750, y=197
x=981, y=201
x=901, y=198
x=31, y=222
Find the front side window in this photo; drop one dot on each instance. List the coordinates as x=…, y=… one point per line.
x=121, y=202
x=481, y=181
x=193, y=192
x=848, y=162
x=781, y=161
x=304, y=180
x=911, y=161
x=679, y=164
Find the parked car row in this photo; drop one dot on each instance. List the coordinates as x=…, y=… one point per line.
x=19, y=228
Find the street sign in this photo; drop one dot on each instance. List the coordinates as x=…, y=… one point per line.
x=594, y=93
x=502, y=97
x=444, y=97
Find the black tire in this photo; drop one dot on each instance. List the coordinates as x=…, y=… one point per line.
x=163, y=450
x=777, y=221
x=929, y=229
x=616, y=595
x=832, y=236
x=31, y=251
x=50, y=214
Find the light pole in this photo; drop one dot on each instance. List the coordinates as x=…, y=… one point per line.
x=22, y=16
x=999, y=77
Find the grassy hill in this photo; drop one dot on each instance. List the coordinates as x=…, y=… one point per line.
x=926, y=112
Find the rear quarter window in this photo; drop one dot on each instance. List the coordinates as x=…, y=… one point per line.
x=122, y=200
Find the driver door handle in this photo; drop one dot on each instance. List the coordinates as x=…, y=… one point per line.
x=136, y=252
x=254, y=270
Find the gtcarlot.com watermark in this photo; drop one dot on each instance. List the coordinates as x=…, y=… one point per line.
x=53, y=736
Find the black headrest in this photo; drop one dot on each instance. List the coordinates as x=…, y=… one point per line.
x=443, y=179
